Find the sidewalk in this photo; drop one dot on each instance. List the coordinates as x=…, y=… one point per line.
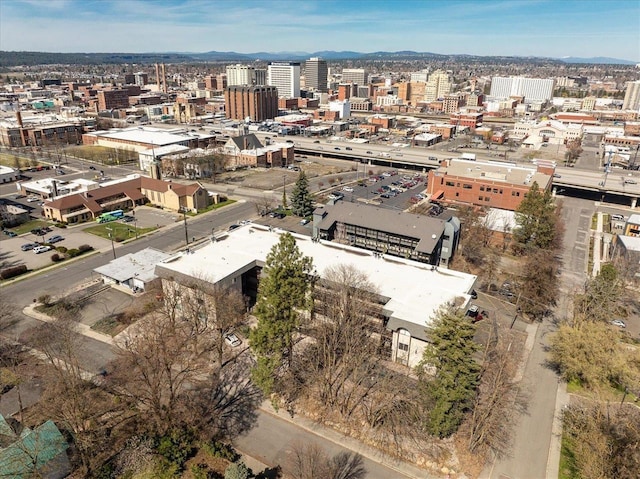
x=352, y=444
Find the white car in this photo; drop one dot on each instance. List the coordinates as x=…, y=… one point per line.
x=619, y=323
x=32, y=199
x=348, y=189
x=41, y=249
x=232, y=340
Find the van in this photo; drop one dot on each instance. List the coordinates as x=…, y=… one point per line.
x=629, y=181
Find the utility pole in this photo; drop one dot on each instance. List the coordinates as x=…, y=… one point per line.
x=515, y=316
x=184, y=217
x=113, y=248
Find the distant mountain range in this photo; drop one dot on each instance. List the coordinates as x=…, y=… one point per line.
x=10, y=59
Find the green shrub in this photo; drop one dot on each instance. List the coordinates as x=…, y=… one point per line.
x=60, y=225
x=224, y=451
x=61, y=249
x=83, y=248
x=73, y=252
x=237, y=470
x=44, y=299
x=177, y=447
x=13, y=271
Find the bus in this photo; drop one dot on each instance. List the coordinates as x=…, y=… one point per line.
x=110, y=216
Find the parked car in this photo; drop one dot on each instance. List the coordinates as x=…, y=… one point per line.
x=348, y=189
x=41, y=249
x=9, y=233
x=92, y=167
x=304, y=222
x=619, y=323
x=127, y=219
x=46, y=229
x=38, y=232
x=629, y=181
x=232, y=340
x=618, y=217
x=55, y=239
x=348, y=148
x=32, y=199
x=233, y=227
x=28, y=246
x=369, y=152
x=336, y=148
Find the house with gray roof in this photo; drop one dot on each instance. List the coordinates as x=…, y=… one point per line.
x=135, y=271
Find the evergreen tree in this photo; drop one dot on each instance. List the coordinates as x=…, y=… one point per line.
x=451, y=392
x=283, y=293
x=301, y=199
x=536, y=220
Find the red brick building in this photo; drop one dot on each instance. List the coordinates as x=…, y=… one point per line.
x=113, y=99
x=472, y=120
x=491, y=184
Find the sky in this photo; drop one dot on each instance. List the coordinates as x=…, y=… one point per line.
x=548, y=28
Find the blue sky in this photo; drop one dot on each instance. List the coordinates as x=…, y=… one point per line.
x=554, y=28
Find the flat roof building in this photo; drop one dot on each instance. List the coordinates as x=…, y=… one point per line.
x=285, y=76
x=258, y=103
x=411, y=292
x=493, y=184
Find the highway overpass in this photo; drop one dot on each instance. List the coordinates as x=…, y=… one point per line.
x=618, y=182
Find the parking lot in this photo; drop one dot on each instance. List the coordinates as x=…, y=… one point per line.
x=389, y=188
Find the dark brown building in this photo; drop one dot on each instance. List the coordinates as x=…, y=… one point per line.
x=113, y=99
x=256, y=102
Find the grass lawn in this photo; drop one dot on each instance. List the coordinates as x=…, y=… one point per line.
x=8, y=159
x=212, y=207
x=568, y=468
x=109, y=325
x=28, y=226
x=102, y=154
x=120, y=231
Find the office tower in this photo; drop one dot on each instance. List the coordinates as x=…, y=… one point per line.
x=241, y=75
x=532, y=89
x=438, y=85
x=632, y=96
x=315, y=74
x=256, y=102
x=420, y=77
x=285, y=76
x=261, y=76
x=355, y=75
x=113, y=99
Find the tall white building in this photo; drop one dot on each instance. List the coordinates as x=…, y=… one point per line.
x=342, y=107
x=532, y=89
x=285, y=76
x=632, y=96
x=240, y=75
x=420, y=77
x=355, y=75
x=438, y=85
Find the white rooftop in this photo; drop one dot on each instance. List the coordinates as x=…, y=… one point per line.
x=149, y=135
x=415, y=291
x=140, y=265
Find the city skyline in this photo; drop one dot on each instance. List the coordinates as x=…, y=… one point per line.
x=543, y=28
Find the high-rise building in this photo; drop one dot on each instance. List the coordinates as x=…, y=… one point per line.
x=141, y=78
x=256, y=102
x=261, y=76
x=241, y=75
x=632, y=96
x=315, y=74
x=438, y=85
x=420, y=77
x=285, y=76
x=532, y=89
x=355, y=75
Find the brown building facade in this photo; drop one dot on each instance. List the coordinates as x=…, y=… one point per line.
x=256, y=102
x=495, y=185
x=113, y=99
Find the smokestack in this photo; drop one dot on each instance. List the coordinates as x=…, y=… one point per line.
x=164, y=79
x=157, y=78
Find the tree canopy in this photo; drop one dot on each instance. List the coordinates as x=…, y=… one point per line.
x=536, y=220
x=451, y=392
x=282, y=294
x=301, y=198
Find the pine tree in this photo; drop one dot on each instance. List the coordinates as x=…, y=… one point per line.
x=536, y=220
x=451, y=392
x=301, y=198
x=283, y=293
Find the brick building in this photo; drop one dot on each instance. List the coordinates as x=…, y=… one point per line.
x=256, y=102
x=492, y=184
x=113, y=99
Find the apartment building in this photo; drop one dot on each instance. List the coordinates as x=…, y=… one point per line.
x=491, y=184
x=240, y=75
x=256, y=102
x=438, y=85
x=632, y=96
x=285, y=76
x=532, y=89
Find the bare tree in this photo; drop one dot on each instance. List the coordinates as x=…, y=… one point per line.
x=490, y=425
x=310, y=461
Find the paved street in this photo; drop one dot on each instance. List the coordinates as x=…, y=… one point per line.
x=532, y=445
